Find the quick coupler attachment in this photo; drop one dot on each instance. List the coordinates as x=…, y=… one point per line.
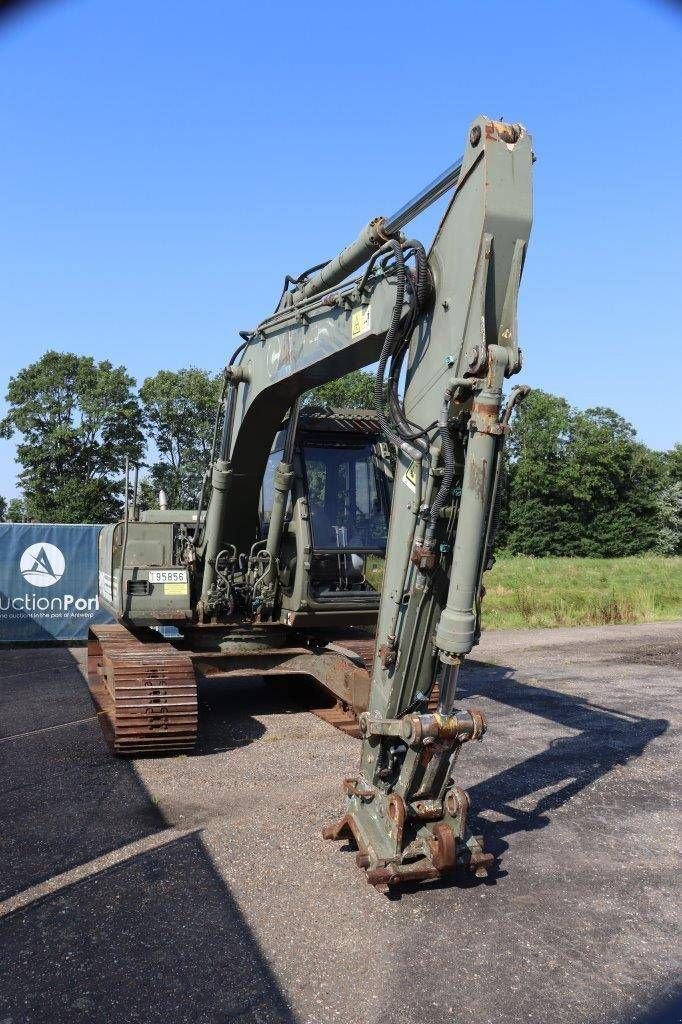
x=405, y=815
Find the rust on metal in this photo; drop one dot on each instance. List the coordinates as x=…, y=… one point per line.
x=457, y=805
x=509, y=133
x=444, y=851
x=423, y=556
x=388, y=875
x=480, y=723
x=449, y=728
x=340, y=664
x=485, y=419
x=446, y=729
x=388, y=655
x=397, y=812
x=341, y=717
x=144, y=690
x=481, y=863
x=427, y=810
x=443, y=847
x=352, y=788
x=344, y=828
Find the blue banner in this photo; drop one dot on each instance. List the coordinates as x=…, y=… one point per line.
x=48, y=582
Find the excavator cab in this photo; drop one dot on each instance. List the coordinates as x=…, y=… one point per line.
x=336, y=523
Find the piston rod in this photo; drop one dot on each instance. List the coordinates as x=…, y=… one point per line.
x=374, y=235
x=413, y=207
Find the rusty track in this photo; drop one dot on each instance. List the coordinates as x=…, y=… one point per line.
x=146, y=694
x=362, y=646
x=144, y=690
x=341, y=716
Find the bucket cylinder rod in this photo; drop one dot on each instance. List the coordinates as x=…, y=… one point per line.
x=375, y=234
x=413, y=207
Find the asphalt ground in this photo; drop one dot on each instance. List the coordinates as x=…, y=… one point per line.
x=197, y=889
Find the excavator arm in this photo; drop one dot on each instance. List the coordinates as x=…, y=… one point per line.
x=442, y=327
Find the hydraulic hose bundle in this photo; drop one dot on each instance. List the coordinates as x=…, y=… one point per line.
x=448, y=453
x=410, y=439
x=399, y=430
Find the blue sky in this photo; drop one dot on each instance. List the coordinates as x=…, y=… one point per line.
x=164, y=164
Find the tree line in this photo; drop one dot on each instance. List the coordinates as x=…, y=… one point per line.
x=78, y=419
x=576, y=482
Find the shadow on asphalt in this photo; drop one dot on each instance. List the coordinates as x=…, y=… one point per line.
x=157, y=937
x=228, y=707
x=606, y=739
x=666, y=1011
x=64, y=800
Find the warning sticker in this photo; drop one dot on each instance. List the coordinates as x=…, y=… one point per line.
x=360, y=321
x=410, y=476
x=175, y=589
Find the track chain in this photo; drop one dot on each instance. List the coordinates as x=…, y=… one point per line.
x=145, y=692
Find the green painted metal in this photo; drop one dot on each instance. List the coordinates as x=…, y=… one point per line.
x=476, y=260
x=404, y=810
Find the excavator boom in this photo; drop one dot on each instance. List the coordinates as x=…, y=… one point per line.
x=442, y=327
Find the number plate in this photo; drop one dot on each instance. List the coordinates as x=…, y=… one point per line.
x=168, y=576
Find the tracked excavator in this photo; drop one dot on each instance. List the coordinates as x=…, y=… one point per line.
x=287, y=566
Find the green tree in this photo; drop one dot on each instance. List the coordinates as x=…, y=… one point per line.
x=3, y=509
x=179, y=411
x=673, y=464
x=670, y=504
x=354, y=391
x=669, y=541
x=579, y=483
x=537, y=516
x=615, y=482
x=78, y=420
x=16, y=513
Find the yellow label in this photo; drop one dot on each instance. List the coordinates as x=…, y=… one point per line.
x=410, y=476
x=175, y=588
x=360, y=321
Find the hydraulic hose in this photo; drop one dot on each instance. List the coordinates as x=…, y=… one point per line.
x=422, y=268
x=395, y=345
x=387, y=350
x=405, y=436
x=229, y=406
x=448, y=455
x=286, y=298
x=418, y=287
